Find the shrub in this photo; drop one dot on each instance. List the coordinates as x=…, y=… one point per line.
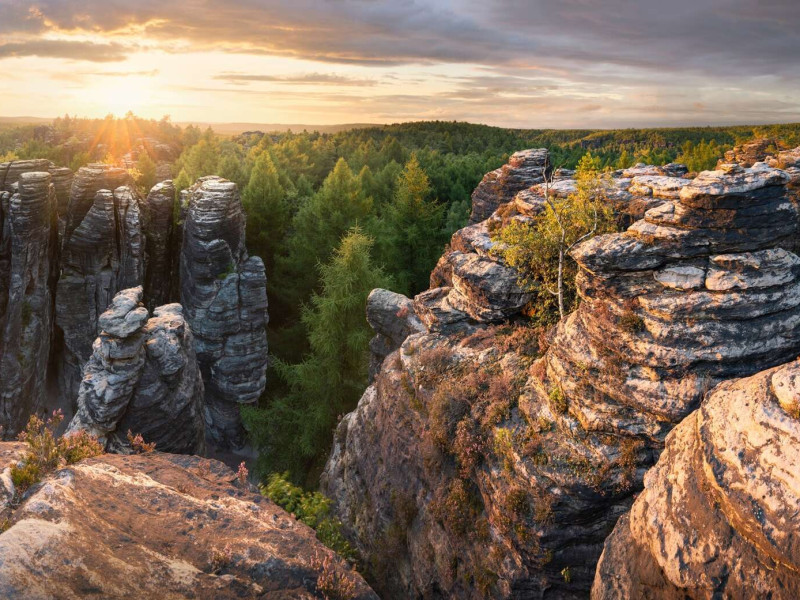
x=333, y=584
x=504, y=447
x=138, y=445
x=469, y=446
x=456, y=508
x=311, y=508
x=220, y=558
x=557, y=401
x=46, y=452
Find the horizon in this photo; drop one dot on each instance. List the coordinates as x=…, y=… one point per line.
x=508, y=63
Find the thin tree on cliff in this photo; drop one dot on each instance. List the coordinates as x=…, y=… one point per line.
x=540, y=251
x=410, y=236
x=294, y=432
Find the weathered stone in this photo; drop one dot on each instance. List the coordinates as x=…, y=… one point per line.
x=223, y=292
x=102, y=254
x=142, y=377
x=524, y=169
x=392, y=318
x=643, y=170
x=27, y=250
x=160, y=246
x=160, y=526
x=718, y=515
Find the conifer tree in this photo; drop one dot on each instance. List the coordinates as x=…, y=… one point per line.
x=264, y=201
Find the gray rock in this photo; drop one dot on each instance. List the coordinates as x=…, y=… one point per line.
x=223, y=292
x=27, y=247
x=160, y=244
x=142, y=377
x=392, y=318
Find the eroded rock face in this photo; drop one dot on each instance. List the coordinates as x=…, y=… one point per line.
x=223, y=292
x=718, y=516
x=160, y=246
x=159, y=526
x=524, y=169
x=27, y=247
x=392, y=318
x=142, y=377
x=541, y=454
x=102, y=253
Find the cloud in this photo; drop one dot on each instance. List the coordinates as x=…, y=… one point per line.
x=75, y=50
x=302, y=79
x=150, y=73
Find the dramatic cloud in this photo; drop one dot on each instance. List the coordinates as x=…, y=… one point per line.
x=700, y=59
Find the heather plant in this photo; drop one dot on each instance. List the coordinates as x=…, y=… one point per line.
x=46, y=452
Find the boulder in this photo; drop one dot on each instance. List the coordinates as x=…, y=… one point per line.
x=718, y=515
x=524, y=169
x=223, y=293
x=161, y=526
x=142, y=378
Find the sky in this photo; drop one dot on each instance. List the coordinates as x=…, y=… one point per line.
x=513, y=63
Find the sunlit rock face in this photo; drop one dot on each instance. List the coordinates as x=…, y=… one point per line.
x=524, y=169
x=158, y=526
x=719, y=513
x=142, y=378
x=223, y=293
x=102, y=253
x=487, y=461
x=27, y=251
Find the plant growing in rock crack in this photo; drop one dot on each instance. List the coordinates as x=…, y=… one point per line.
x=46, y=452
x=220, y=558
x=332, y=583
x=138, y=445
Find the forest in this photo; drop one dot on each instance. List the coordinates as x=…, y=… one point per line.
x=334, y=216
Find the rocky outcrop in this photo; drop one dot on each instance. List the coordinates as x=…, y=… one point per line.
x=223, y=292
x=142, y=378
x=392, y=318
x=750, y=153
x=160, y=526
x=524, y=169
x=719, y=513
x=27, y=247
x=477, y=464
x=102, y=253
x=160, y=247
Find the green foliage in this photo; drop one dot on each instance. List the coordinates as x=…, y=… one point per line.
x=264, y=200
x=146, y=169
x=410, y=236
x=536, y=249
x=312, y=508
x=46, y=452
x=702, y=156
x=294, y=431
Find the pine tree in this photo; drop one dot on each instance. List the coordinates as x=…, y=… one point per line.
x=264, y=201
x=146, y=173
x=295, y=431
x=410, y=232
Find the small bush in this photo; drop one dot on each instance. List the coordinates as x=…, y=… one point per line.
x=456, y=508
x=46, y=452
x=469, y=446
x=333, y=584
x=311, y=508
x=138, y=445
x=220, y=559
x=631, y=322
x=504, y=447
x=557, y=401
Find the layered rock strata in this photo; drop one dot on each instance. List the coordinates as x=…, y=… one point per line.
x=160, y=526
x=142, y=378
x=524, y=169
x=160, y=244
x=103, y=252
x=479, y=465
x=223, y=292
x=719, y=513
x=392, y=318
x=27, y=249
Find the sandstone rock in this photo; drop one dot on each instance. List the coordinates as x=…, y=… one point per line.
x=102, y=253
x=524, y=169
x=159, y=526
x=142, y=377
x=223, y=292
x=718, y=516
x=27, y=246
x=750, y=153
x=641, y=169
x=160, y=245
x=470, y=459
x=392, y=317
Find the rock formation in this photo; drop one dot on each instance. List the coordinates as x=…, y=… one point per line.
x=142, y=377
x=159, y=526
x=392, y=318
x=160, y=247
x=27, y=249
x=719, y=513
x=477, y=464
x=524, y=169
x=223, y=292
x=102, y=253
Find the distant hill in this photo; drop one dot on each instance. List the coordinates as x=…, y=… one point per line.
x=237, y=128
x=24, y=120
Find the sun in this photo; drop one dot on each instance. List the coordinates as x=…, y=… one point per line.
x=123, y=94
